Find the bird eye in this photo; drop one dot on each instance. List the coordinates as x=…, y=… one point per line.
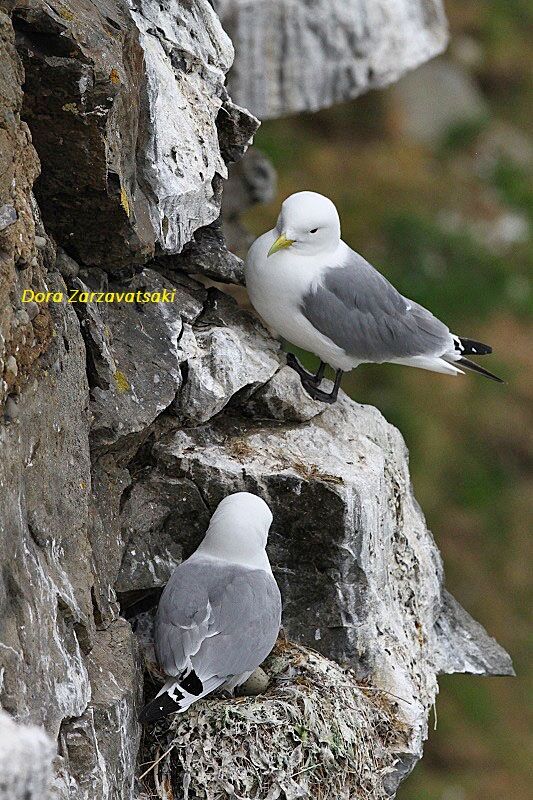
x=314, y=230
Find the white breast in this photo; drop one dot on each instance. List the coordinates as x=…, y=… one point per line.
x=276, y=286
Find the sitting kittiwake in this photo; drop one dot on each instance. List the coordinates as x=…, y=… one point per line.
x=220, y=613
x=320, y=295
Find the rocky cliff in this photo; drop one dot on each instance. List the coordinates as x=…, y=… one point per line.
x=123, y=424
x=302, y=55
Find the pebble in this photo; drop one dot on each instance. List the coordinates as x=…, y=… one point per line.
x=11, y=366
x=32, y=309
x=22, y=317
x=8, y=216
x=66, y=265
x=40, y=242
x=11, y=410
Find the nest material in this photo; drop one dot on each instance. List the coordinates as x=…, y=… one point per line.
x=316, y=733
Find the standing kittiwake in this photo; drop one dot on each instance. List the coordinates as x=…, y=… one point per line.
x=322, y=296
x=220, y=613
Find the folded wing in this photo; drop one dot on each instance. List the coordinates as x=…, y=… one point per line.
x=215, y=622
x=361, y=312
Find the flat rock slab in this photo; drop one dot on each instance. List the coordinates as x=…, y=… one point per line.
x=127, y=391
x=45, y=481
x=284, y=398
x=100, y=747
x=296, y=55
x=231, y=354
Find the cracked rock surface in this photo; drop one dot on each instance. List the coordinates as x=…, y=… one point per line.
x=297, y=55
x=360, y=575
x=122, y=425
x=129, y=95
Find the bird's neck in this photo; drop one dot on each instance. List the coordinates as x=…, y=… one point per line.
x=242, y=546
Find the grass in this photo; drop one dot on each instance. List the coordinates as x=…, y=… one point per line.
x=514, y=185
x=463, y=135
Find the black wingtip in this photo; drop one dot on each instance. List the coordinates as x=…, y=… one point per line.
x=465, y=362
x=469, y=347
x=159, y=707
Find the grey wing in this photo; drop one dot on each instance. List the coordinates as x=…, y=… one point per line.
x=183, y=618
x=361, y=312
x=217, y=619
x=249, y=619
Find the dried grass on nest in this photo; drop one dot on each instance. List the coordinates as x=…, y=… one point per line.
x=316, y=733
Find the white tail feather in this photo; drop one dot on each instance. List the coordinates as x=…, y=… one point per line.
x=431, y=363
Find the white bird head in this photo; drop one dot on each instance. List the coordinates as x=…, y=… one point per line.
x=308, y=223
x=238, y=530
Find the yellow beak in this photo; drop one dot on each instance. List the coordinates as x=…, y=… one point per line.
x=280, y=244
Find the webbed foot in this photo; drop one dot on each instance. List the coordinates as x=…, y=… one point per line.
x=317, y=394
x=306, y=377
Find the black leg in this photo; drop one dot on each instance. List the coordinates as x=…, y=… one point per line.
x=307, y=377
x=319, y=374
x=317, y=394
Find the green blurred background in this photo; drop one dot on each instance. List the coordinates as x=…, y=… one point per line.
x=432, y=179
